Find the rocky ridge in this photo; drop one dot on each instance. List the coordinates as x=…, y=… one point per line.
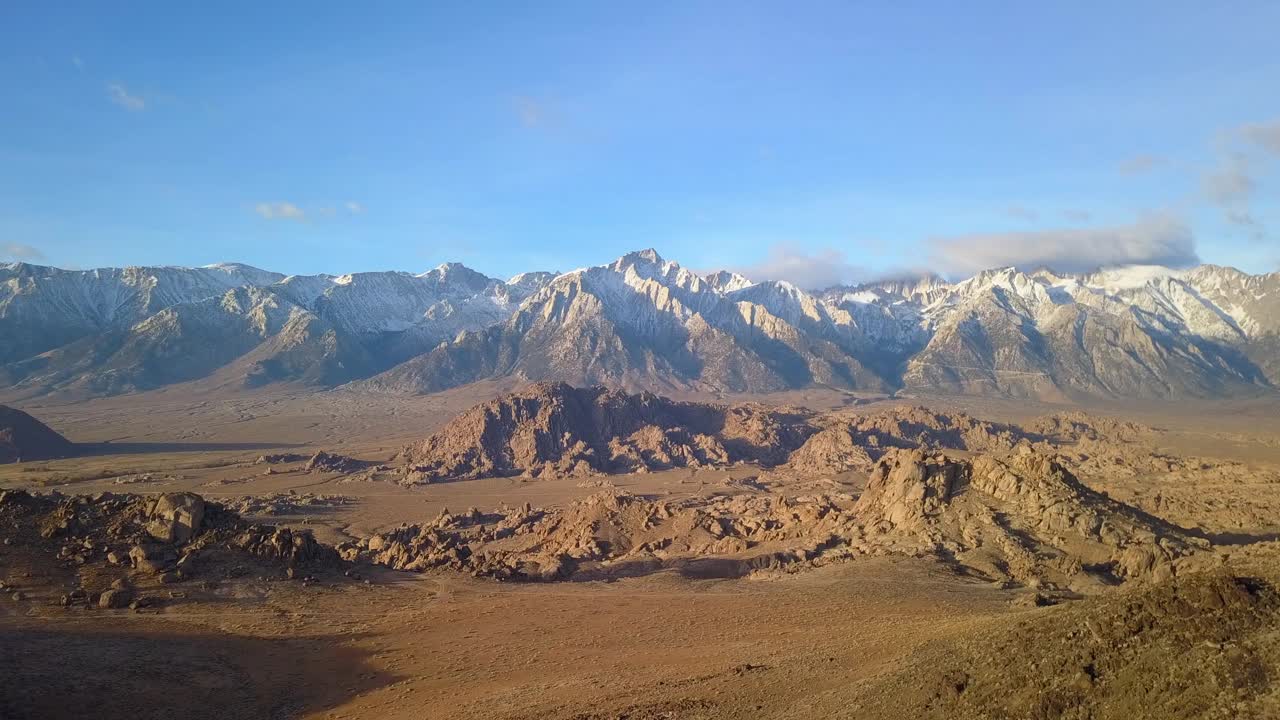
x=552, y=429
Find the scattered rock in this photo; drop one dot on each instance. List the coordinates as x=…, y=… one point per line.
x=334, y=463
x=115, y=599
x=152, y=557
x=279, y=458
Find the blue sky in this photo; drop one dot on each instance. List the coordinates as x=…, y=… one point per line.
x=819, y=142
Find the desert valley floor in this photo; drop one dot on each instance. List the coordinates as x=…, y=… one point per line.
x=718, y=634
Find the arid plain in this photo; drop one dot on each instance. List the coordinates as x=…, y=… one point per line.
x=717, y=634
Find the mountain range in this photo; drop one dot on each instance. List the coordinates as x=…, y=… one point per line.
x=642, y=322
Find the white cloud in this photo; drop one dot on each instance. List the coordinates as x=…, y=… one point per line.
x=280, y=211
x=811, y=271
x=20, y=251
x=75, y=60
x=120, y=96
x=1076, y=215
x=1156, y=240
x=354, y=207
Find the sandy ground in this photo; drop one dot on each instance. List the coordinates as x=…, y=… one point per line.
x=445, y=646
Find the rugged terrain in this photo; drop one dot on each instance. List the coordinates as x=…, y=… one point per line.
x=564, y=552
x=642, y=322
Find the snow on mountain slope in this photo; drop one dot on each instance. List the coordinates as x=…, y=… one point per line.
x=42, y=308
x=642, y=321
x=1129, y=332
x=645, y=322
x=68, y=325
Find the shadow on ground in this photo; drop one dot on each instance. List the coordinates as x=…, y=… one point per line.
x=146, y=448
x=69, y=671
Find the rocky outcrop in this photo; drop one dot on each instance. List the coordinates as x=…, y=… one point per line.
x=552, y=428
x=555, y=430
x=1018, y=517
x=616, y=532
x=854, y=441
x=22, y=437
x=833, y=450
x=1023, y=517
x=173, y=537
x=332, y=462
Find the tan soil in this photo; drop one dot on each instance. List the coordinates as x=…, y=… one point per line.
x=870, y=636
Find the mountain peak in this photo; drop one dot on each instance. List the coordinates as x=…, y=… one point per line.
x=648, y=256
x=727, y=281
x=450, y=268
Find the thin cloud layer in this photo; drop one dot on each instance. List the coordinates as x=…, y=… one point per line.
x=810, y=271
x=1154, y=241
x=1265, y=135
x=280, y=211
x=1233, y=184
x=122, y=97
x=20, y=251
x=1140, y=164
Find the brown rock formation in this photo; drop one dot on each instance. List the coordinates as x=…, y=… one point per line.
x=1023, y=516
x=556, y=428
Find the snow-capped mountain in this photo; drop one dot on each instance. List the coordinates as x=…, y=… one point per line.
x=117, y=330
x=645, y=322
x=42, y=308
x=1138, y=331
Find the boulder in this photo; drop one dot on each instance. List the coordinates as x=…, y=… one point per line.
x=115, y=599
x=152, y=558
x=175, y=517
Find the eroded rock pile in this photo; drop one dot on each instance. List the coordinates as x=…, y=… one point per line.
x=556, y=429
x=333, y=463
x=22, y=437
x=613, y=532
x=1023, y=516
x=287, y=503
x=849, y=442
x=172, y=536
